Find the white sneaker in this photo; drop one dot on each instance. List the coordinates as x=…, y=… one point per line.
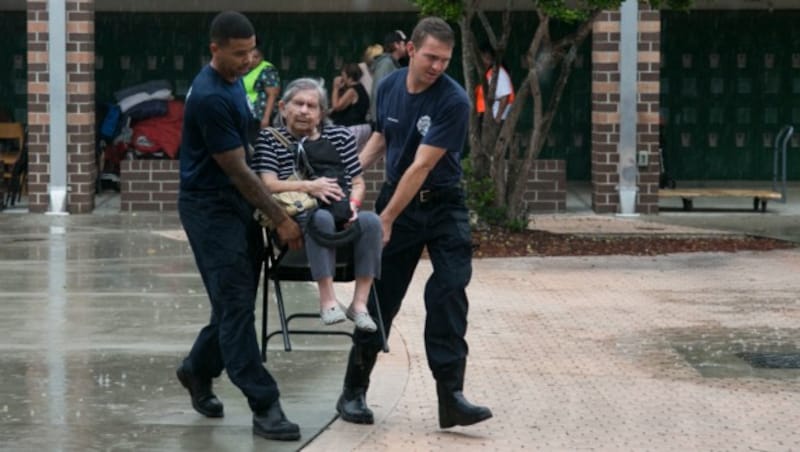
x=362, y=320
x=332, y=315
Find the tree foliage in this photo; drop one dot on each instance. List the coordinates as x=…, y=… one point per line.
x=498, y=163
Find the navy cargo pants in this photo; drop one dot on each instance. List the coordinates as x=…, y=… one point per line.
x=437, y=220
x=228, y=247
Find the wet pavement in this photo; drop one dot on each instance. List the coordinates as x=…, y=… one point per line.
x=97, y=311
x=672, y=352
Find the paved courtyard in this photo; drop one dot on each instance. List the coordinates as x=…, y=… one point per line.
x=597, y=353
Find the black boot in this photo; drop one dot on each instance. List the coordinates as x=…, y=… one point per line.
x=272, y=424
x=352, y=404
x=454, y=409
x=204, y=401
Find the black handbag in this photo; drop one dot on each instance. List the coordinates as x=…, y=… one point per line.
x=320, y=158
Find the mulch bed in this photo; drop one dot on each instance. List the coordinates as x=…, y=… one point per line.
x=500, y=242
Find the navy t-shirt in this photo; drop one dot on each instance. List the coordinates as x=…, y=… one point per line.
x=215, y=120
x=438, y=116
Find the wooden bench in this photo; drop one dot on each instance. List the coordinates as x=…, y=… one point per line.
x=687, y=195
x=760, y=196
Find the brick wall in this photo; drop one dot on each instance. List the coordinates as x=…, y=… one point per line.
x=81, y=166
x=152, y=185
x=649, y=107
x=374, y=177
x=81, y=162
x=149, y=185
x=546, y=190
x=605, y=109
x=38, y=105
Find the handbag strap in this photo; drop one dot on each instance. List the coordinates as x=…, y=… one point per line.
x=279, y=136
x=291, y=149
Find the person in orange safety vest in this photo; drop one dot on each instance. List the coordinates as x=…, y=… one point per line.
x=504, y=93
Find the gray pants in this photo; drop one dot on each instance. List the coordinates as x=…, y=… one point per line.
x=366, y=249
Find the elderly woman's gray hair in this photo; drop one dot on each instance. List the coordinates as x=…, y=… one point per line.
x=308, y=84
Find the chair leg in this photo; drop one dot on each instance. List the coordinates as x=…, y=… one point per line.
x=264, y=312
x=380, y=320
x=282, y=317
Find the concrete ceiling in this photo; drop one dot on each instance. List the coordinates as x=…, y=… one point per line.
x=352, y=5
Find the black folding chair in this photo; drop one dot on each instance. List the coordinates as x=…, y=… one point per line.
x=282, y=264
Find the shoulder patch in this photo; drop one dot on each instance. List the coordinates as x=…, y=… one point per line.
x=423, y=124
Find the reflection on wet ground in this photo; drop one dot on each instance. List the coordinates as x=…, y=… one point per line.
x=96, y=313
x=733, y=353
x=739, y=353
x=716, y=352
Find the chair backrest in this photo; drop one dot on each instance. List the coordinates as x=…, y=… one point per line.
x=13, y=131
x=8, y=157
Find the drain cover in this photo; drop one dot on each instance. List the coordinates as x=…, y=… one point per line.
x=771, y=360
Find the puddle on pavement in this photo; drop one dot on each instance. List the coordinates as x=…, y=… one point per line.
x=717, y=352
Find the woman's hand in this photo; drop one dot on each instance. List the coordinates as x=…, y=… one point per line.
x=354, y=205
x=325, y=189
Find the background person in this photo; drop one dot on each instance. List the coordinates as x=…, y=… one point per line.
x=263, y=86
x=302, y=107
x=394, y=52
x=349, y=100
x=217, y=194
x=422, y=121
x=504, y=92
x=350, y=104
x=367, y=65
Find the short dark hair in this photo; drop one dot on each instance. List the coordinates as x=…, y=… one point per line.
x=486, y=47
x=353, y=71
x=433, y=26
x=230, y=25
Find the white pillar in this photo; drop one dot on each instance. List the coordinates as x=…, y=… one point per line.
x=57, y=61
x=628, y=99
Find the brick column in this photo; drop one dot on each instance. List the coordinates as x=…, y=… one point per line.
x=81, y=167
x=605, y=109
x=649, y=106
x=81, y=161
x=38, y=106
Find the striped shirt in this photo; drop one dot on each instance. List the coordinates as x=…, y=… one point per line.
x=273, y=157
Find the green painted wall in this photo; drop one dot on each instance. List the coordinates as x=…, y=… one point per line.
x=13, y=66
x=136, y=47
x=730, y=81
x=175, y=45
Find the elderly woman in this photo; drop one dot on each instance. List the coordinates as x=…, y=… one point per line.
x=303, y=108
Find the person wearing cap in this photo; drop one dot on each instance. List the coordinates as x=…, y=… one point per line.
x=394, y=51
